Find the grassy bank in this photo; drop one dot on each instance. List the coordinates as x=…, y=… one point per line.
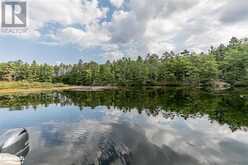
x=25, y=86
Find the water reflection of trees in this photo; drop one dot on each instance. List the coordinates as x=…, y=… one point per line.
x=229, y=108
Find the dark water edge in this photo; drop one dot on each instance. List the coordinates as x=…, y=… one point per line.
x=136, y=126
x=226, y=107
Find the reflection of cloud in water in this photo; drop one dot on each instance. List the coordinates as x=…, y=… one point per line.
x=200, y=138
x=83, y=143
x=144, y=140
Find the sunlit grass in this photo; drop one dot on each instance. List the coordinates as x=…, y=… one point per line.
x=28, y=85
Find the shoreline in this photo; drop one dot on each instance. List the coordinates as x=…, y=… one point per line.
x=93, y=88
x=75, y=89
x=33, y=90
x=71, y=88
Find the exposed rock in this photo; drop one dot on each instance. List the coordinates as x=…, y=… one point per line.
x=93, y=88
x=8, y=159
x=220, y=85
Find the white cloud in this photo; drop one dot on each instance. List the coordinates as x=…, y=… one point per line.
x=91, y=37
x=112, y=52
x=142, y=27
x=176, y=25
x=117, y=3
x=63, y=12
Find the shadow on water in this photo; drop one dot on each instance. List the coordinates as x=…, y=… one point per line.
x=226, y=108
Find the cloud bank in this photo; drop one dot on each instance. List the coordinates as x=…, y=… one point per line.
x=134, y=28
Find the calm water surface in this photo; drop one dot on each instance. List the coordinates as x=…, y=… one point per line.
x=136, y=127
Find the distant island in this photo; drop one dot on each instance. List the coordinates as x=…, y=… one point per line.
x=225, y=65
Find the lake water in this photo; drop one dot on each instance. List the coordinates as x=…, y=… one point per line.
x=131, y=127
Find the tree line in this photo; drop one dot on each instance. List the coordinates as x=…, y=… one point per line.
x=227, y=63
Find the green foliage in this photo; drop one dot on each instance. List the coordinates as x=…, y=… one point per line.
x=235, y=63
x=7, y=72
x=227, y=63
x=18, y=71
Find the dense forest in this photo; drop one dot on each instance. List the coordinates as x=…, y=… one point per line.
x=228, y=63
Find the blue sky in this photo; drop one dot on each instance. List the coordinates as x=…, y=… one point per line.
x=99, y=30
x=12, y=49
